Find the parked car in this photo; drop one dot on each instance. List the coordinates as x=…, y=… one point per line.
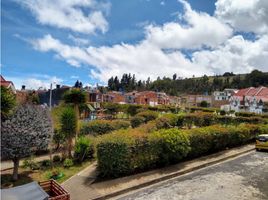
x=262, y=142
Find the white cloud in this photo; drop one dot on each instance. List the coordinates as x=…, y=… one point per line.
x=159, y=54
x=200, y=30
x=248, y=16
x=69, y=14
x=35, y=81
x=74, y=77
x=72, y=54
x=162, y=3
x=236, y=54
x=78, y=41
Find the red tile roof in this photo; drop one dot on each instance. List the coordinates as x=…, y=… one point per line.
x=5, y=83
x=259, y=93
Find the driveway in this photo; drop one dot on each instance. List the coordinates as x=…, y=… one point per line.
x=243, y=178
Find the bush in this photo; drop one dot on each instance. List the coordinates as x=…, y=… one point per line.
x=171, y=145
x=137, y=121
x=120, y=124
x=148, y=115
x=199, y=119
x=56, y=158
x=245, y=114
x=83, y=148
x=222, y=112
x=167, y=121
x=46, y=163
x=133, y=109
x=68, y=163
x=97, y=127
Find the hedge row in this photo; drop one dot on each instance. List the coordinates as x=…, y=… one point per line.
x=201, y=119
x=99, y=127
x=123, y=152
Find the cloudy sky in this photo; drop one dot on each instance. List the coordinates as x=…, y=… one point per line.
x=60, y=41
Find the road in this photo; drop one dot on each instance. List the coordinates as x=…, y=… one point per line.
x=243, y=178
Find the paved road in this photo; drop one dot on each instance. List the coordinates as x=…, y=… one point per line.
x=243, y=178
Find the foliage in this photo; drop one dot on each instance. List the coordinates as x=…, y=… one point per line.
x=8, y=102
x=99, y=127
x=46, y=163
x=56, y=158
x=133, y=109
x=68, y=126
x=25, y=132
x=96, y=127
x=137, y=121
x=68, y=122
x=148, y=115
x=111, y=108
x=169, y=120
x=204, y=104
x=198, y=85
x=83, y=148
x=58, y=138
x=68, y=163
x=74, y=96
x=172, y=145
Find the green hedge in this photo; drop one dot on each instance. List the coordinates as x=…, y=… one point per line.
x=148, y=115
x=99, y=127
x=137, y=121
x=126, y=152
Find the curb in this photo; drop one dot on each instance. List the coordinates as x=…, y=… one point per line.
x=169, y=176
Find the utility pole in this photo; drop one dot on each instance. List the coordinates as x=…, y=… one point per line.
x=50, y=96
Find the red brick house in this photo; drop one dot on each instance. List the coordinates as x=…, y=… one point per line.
x=114, y=97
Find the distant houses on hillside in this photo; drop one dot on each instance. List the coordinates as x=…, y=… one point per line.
x=247, y=99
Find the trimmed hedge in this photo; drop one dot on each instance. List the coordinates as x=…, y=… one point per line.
x=99, y=127
x=148, y=115
x=126, y=152
x=137, y=121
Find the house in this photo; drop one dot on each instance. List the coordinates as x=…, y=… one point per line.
x=114, y=97
x=195, y=100
x=250, y=100
x=7, y=84
x=221, y=98
x=146, y=98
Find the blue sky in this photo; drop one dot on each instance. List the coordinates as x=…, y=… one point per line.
x=47, y=41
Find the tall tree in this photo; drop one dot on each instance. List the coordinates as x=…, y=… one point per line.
x=25, y=132
x=75, y=97
x=8, y=102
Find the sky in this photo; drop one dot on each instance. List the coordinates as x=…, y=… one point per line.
x=61, y=41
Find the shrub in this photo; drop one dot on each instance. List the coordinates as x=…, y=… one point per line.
x=199, y=119
x=46, y=163
x=83, y=148
x=68, y=163
x=245, y=114
x=137, y=121
x=167, y=121
x=97, y=127
x=148, y=115
x=222, y=112
x=133, y=109
x=120, y=124
x=56, y=158
x=171, y=145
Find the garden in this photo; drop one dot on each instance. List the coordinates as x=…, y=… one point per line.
x=136, y=138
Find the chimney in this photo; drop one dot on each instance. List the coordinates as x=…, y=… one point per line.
x=23, y=87
x=58, y=86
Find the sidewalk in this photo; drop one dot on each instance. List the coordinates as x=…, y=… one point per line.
x=9, y=164
x=82, y=187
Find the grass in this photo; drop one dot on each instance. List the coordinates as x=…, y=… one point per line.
x=28, y=175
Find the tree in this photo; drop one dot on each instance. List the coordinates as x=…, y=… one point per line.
x=8, y=102
x=76, y=97
x=25, y=132
x=68, y=127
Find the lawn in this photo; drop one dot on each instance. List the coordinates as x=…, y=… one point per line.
x=28, y=175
